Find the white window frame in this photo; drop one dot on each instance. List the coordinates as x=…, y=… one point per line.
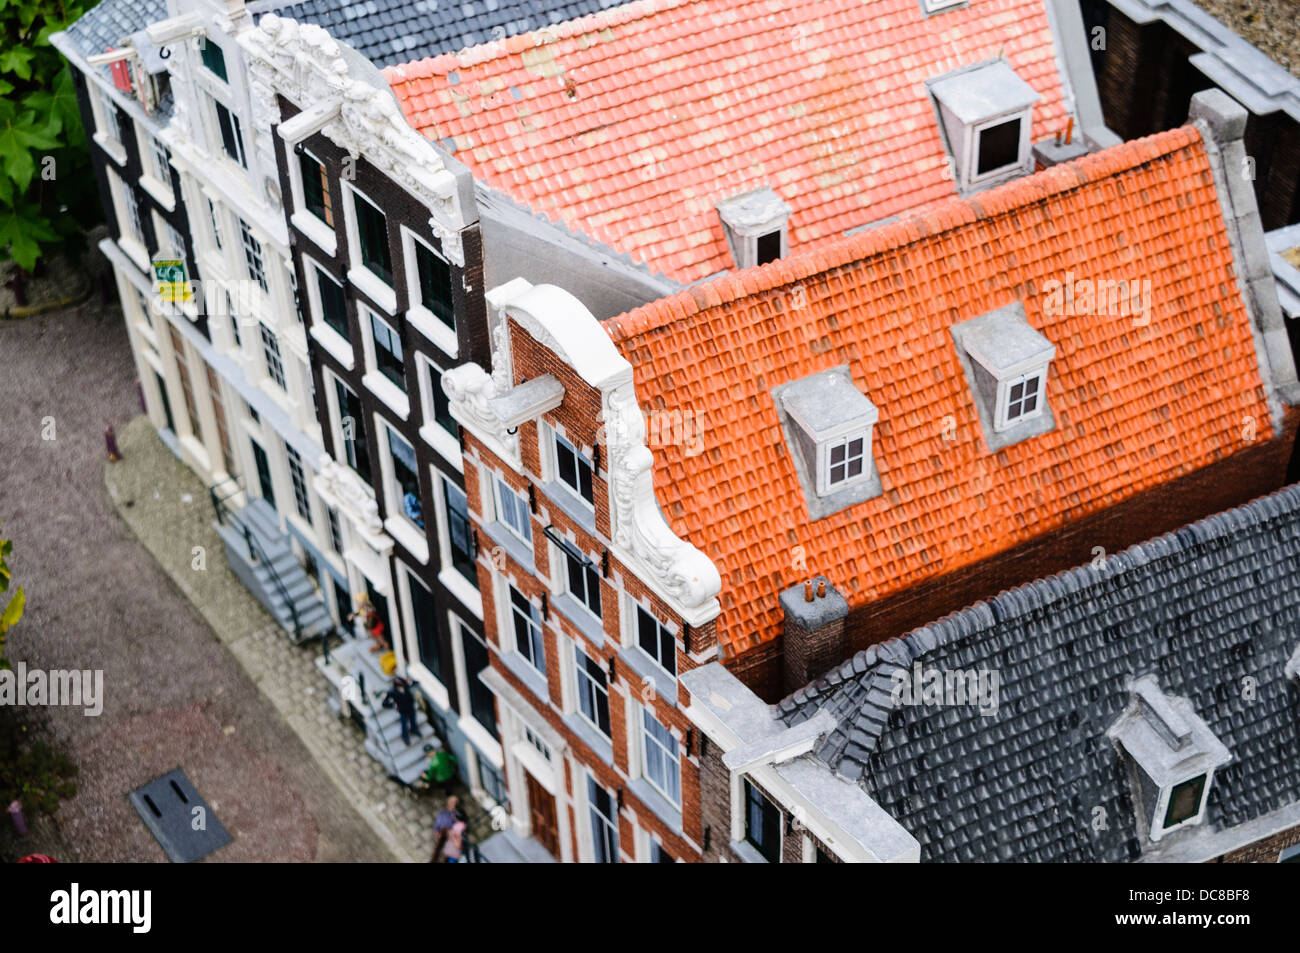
x=420, y=317
x=239, y=161
x=519, y=510
x=611, y=824
x=254, y=256
x=434, y=686
x=331, y=382
x=632, y=632
x=1002, y=420
x=155, y=162
x=214, y=224
x=398, y=523
x=1158, y=829
x=108, y=132
x=560, y=569
x=303, y=219
x=824, y=484
x=378, y=290
x=672, y=761
x=580, y=679
x=339, y=347
x=434, y=434
x=973, y=132
x=376, y=381
x=448, y=574
x=556, y=438
x=934, y=6
x=272, y=356
x=130, y=226
x=533, y=621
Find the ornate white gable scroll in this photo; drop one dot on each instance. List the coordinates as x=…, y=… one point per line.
x=342, y=489
x=301, y=62
x=680, y=574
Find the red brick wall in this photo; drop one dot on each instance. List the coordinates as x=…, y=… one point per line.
x=1263, y=851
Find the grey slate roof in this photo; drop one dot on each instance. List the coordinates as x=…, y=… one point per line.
x=111, y=21
x=398, y=31
x=1202, y=608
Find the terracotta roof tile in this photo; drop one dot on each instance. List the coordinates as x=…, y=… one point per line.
x=633, y=112
x=1135, y=406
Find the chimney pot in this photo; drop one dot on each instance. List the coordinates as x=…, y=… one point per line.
x=807, y=591
x=821, y=589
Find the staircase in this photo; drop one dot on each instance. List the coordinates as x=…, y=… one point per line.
x=383, y=727
x=259, y=553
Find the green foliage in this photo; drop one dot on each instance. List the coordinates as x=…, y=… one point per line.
x=32, y=772
x=11, y=609
x=47, y=194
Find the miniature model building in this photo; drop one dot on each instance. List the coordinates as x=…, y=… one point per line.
x=749, y=431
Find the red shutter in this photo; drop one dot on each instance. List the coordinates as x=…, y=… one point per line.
x=121, y=73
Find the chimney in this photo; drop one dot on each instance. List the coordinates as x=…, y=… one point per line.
x=814, y=631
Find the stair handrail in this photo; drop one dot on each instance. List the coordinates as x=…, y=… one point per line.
x=361, y=679
x=223, y=512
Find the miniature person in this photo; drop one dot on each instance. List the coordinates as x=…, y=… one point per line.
x=370, y=621
x=110, y=443
x=453, y=849
x=447, y=818
x=400, y=697
x=441, y=770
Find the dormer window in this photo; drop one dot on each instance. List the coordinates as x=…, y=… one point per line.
x=1172, y=755
x=756, y=224
x=1006, y=362
x=934, y=6
x=985, y=113
x=828, y=424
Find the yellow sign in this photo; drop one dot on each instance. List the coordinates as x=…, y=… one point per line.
x=170, y=275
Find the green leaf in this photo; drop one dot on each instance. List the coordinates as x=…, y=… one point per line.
x=13, y=612
x=17, y=60
x=6, y=87
x=22, y=228
x=18, y=137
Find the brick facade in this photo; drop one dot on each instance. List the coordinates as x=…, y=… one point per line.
x=1264, y=851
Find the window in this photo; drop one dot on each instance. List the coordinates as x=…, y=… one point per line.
x=512, y=511
x=183, y=375
x=111, y=124
x=999, y=146
x=662, y=767
x=252, y=254
x=301, y=498
x=1184, y=801
x=232, y=138
x=315, y=188
x=336, y=537
x=933, y=6
x=845, y=459
x=660, y=856
x=1022, y=397
x=482, y=703
x=389, y=360
x=437, y=397
x=406, y=479
x=213, y=58
x=582, y=581
x=425, y=612
x=656, y=641
x=234, y=319
x=435, y=284
x=219, y=415
x=541, y=746
x=459, y=534
x=352, y=430
x=216, y=224
x=528, y=630
x=128, y=223
x=573, y=469
x=593, y=691
x=271, y=353
x=162, y=161
x=604, y=823
x=372, y=237
x=762, y=823
x=769, y=247
x=333, y=305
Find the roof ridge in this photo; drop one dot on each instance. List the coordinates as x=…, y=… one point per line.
x=910, y=227
x=1035, y=594
x=495, y=49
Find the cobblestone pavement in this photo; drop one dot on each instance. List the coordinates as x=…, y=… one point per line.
x=175, y=696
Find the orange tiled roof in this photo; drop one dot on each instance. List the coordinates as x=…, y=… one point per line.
x=630, y=124
x=1134, y=406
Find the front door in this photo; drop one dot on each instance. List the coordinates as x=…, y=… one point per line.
x=541, y=812
x=263, y=473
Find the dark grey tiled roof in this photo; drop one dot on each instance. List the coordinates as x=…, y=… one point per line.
x=1203, y=608
x=398, y=31
x=112, y=21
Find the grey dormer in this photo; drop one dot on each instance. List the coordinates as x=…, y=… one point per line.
x=1006, y=363
x=1173, y=755
x=757, y=227
x=828, y=426
x=986, y=113
x=528, y=401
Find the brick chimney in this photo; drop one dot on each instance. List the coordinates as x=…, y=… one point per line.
x=814, y=631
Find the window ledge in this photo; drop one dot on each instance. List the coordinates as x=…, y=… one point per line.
x=429, y=684
x=662, y=808
x=747, y=852
x=114, y=149
x=411, y=538
x=162, y=194
x=334, y=343
x=482, y=739
x=392, y=395
x=523, y=670
x=373, y=287
x=322, y=235
x=571, y=505
x=436, y=436
x=580, y=616
x=515, y=547
x=649, y=670
x=459, y=587
x=138, y=254
x=591, y=737
x=432, y=327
